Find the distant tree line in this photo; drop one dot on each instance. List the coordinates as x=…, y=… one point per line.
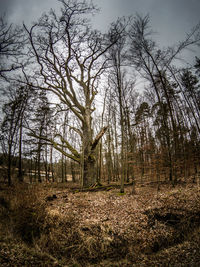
x=70, y=89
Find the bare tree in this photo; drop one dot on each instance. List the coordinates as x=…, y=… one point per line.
x=13, y=125
x=11, y=44
x=70, y=60
x=153, y=64
x=119, y=83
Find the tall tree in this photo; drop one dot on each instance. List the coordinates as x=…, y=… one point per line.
x=153, y=64
x=70, y=60
x=12, y=125
x=118, y=79
x=11, y=47
x=40, y=125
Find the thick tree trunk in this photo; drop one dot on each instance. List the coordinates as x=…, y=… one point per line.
x=89, y=160
x=89, y=173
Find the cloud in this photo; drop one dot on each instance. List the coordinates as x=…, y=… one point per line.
x=171, y=19
x=7, y=6
x=26, y=10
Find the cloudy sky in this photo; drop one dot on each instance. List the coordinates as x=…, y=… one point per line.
x=170, y=18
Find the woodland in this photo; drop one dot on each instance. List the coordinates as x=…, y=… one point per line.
x=99, y=143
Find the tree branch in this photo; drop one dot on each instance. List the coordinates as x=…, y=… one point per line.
x=75, y=155
x=98, y=137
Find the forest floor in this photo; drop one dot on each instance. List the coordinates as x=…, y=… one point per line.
x=44, y=225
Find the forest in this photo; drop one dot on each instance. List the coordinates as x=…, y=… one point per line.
x=99, y=143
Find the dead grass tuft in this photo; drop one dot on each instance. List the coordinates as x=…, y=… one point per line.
x=27, y=213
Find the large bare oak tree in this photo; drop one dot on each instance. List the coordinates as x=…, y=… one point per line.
x=70, y=59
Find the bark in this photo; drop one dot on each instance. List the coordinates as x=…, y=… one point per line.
x=109, y=159
x=20, y=173
x=39, y=161
x=62, y=169
x=30, y=171
x=73, y=173
x=9, y=164
x=89, y=156
x=46, y=165
x=51, y=163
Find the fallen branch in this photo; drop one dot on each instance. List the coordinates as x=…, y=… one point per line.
x=98, y=188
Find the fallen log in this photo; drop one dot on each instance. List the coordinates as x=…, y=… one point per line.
x=96, y=188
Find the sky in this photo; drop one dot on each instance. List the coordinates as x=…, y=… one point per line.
x=170, y=19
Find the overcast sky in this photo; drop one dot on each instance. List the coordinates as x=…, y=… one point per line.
x=170, y=18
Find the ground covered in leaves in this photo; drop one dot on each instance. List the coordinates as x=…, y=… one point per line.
x=59, y=226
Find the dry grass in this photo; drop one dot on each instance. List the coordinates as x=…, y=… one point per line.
x=99, y=228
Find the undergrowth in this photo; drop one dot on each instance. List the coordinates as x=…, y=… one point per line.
x=165, y=234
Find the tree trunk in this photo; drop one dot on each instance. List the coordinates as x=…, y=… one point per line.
x=73, y=173
x=89, y=159
x=89, y=171
x=51, y=163
x=88, y=164
x=39, y=162
x=9, y=165
x=62, y=168
x=46, y=165
x=30, y=171
x=20, y=174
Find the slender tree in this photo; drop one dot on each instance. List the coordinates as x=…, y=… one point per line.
x=153, y=64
